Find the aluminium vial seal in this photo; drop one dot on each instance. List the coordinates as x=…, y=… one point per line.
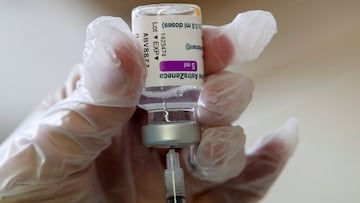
x=167, y=135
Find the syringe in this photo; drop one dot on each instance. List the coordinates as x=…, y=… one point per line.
x=174, y=178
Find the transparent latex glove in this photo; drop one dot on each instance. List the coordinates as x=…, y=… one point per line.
x=83, y=143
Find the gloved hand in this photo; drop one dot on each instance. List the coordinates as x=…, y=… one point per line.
x=83, y=143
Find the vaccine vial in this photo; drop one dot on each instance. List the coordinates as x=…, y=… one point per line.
x=171, y=40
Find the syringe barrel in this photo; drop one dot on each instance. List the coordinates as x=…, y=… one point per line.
x=177, y=199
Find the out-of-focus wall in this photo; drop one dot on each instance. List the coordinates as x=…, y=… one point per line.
x=311, y=70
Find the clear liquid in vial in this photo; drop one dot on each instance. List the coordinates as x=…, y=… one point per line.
x=170, y=103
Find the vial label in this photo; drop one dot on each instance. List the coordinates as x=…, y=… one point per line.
x=172, y=48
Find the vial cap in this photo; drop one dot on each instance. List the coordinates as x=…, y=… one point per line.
x=167, y=135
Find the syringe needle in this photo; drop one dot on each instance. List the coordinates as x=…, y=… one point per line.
x=173, y=173
x=174, y=178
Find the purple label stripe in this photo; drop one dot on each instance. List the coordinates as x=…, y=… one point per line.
x=190, y=66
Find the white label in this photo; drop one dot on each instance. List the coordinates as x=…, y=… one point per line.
x=172, y=48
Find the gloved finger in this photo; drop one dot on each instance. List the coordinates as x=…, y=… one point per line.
x=63, y=92
x=70, y=135
x=46, y=103
x=110, y=45
x=267, y=158
x=241, y=40
x=219, y=157
x=224, y=97
x=264, y=162
x=103, y=38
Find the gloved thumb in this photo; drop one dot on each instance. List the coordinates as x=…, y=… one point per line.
x=69, y=135
x=113, y=67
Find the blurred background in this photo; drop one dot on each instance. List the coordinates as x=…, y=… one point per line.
x=310, y=70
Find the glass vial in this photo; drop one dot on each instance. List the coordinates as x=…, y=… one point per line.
x=171, y=39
